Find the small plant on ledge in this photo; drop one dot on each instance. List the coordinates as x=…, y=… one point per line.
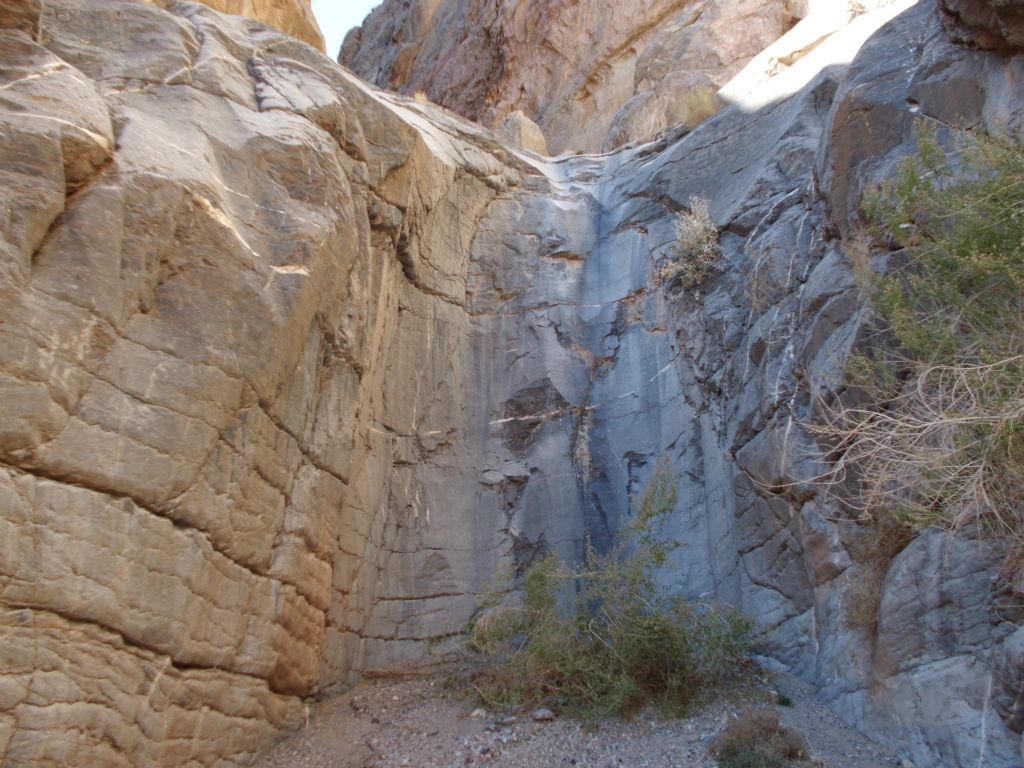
x=599, y=639
x=695, y=252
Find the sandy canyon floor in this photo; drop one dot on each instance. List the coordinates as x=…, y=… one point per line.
x=419, y=716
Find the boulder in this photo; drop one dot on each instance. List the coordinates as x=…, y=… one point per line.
x=520, y=131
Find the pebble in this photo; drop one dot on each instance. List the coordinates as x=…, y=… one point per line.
x=543, y=715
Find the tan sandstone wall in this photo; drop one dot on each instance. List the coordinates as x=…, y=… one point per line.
x=292, y=16
x=233, y=350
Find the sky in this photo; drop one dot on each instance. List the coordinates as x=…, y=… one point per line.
x=336, y=17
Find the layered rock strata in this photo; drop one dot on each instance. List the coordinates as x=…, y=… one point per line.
x=292, y=368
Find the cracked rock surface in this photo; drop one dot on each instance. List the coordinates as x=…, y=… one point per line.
x=291, y=369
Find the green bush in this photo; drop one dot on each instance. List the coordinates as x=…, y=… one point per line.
x=957, y=295
x=941, y=438
x=695, y=252
x=599, y=639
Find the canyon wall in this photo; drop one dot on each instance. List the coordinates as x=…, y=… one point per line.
x=220, y=387
x=591, y=74
x=292, y=16
x=292, y=368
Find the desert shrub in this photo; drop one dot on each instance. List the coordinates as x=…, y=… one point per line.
x=874, y=552
x=756, y=739
x=599, y=639
x=695, y=105
x=940, y=440
x=695, y=252
x=493, y=626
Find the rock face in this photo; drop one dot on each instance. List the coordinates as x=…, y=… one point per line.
x=291, y=368
x=987, y=23
x=206, y=325
x=594, y=74
x=591, y=74
x=520, y=131
x=292, y=16
x=21, y=14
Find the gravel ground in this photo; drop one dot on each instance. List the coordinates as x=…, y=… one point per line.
x=416, y=716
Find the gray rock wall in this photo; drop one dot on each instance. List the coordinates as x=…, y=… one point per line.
x=292, y=368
